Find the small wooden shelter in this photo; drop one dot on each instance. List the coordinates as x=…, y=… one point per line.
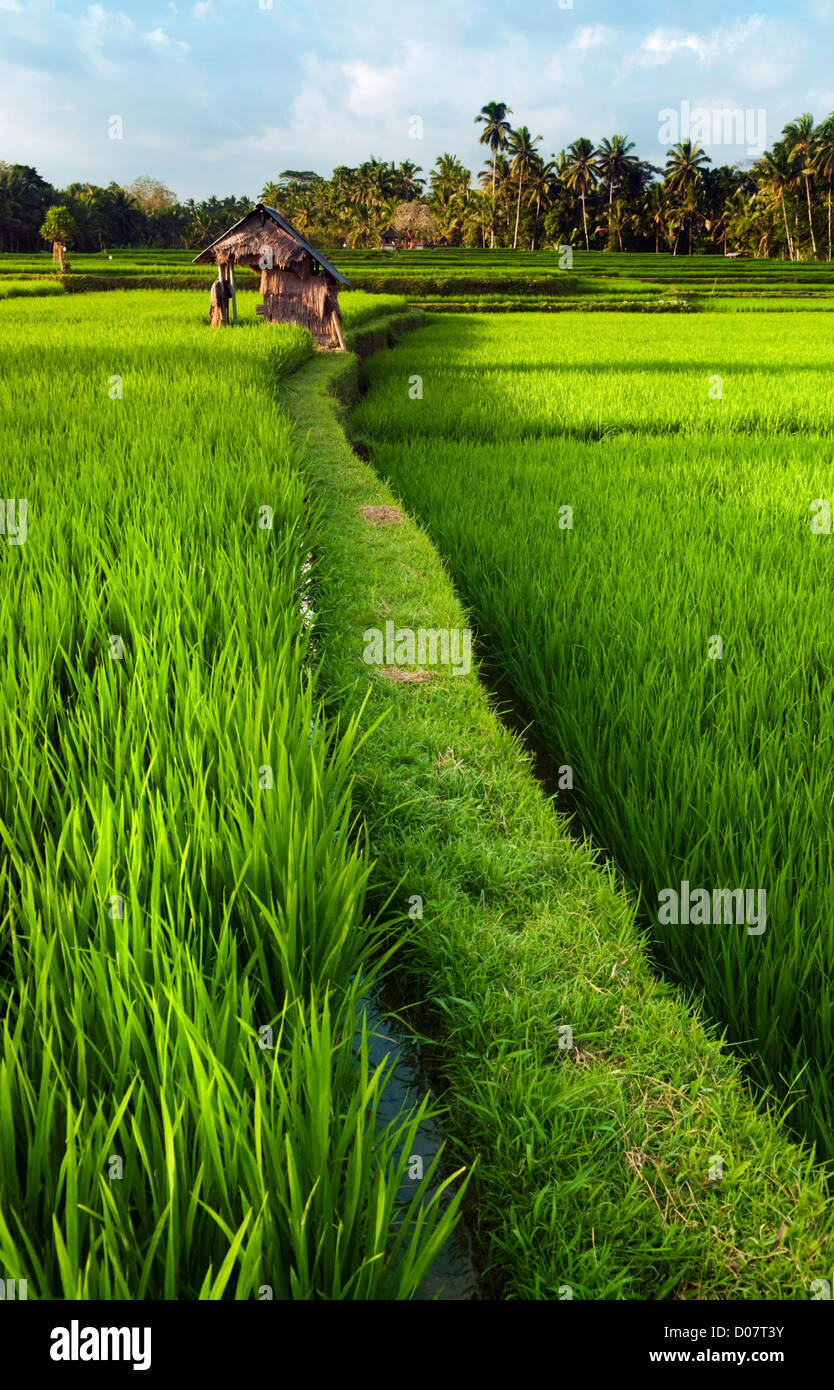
x=297, y=283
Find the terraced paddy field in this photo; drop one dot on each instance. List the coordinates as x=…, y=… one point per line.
x=468, y=278
x=215, y=819
x=184, y=947
x=626, y=507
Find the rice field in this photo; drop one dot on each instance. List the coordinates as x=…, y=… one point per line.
x=625, y=507
x=462, y=278
x=185, y=950
x=192, y=924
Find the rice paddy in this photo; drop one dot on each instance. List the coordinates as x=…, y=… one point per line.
x=208, y=822
x=626, y=510
x=184, y=947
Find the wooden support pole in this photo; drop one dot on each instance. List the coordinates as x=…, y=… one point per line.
x=232, y=283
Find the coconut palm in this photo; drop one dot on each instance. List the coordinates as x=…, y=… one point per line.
x=800, y=139
x=615, y=163
x=824, y=163
x=542, y=188
x=521, y=147
x=581, y=175
x=654, y=213
x=496, y=130
x=684, y=164
x=773, y=176
x=412, y=187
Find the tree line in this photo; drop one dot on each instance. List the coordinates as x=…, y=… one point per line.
x=593, y=196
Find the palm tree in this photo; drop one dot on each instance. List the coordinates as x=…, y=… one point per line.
x=800, y=137
x=684, y=163
x=615, y=162
x=495, y=132
x=619, y=218
x=654, y=209
x=542, y=189
x=825, y=162
x=412, y=187
x=772, y=174
x=521, y=146
x=581, y=174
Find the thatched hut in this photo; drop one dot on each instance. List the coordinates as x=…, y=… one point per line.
x=297, y=283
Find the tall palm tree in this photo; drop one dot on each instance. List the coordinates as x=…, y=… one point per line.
x=581, y=174
x=615, y=162
x=521, y=146
x=542, y=189
x=495, y=132
x=412, y=187
x=800, y=138
x=654, y=211
x=684, y=164
x=772, y=174
x=824, y=162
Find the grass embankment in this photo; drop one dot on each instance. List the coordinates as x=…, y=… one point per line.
x=595, y=1162
x=177, y=873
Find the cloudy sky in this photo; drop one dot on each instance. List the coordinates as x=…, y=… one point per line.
x=221, y=95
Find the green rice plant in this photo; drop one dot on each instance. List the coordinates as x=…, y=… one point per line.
x=690, y=455
x=29, y=289
x=184, y=946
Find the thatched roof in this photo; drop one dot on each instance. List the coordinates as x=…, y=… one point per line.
x=247, y=236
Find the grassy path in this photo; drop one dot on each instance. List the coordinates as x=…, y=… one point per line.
x=597, y=1162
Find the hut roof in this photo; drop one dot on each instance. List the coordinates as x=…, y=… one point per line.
x=260, y=209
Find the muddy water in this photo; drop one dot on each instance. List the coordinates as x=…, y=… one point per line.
x=453, y=1275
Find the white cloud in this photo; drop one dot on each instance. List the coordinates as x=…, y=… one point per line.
x=203, y=10
x=161, y=40
x=11, y=6
x=662, y=45
x=591, y=37
x=97, y=26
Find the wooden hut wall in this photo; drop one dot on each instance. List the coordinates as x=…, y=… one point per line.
x=305, y=299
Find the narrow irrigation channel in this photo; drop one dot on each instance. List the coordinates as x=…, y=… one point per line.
x=453, y=1276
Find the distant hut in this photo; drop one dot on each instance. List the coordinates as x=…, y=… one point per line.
x=390, y=240
x=297, y=283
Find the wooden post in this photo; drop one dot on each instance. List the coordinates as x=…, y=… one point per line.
x=219, y=301
x=232, y=283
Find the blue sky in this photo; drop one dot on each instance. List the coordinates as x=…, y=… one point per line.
x=219, y=96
